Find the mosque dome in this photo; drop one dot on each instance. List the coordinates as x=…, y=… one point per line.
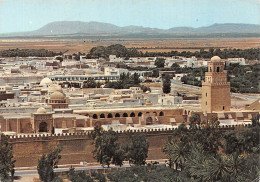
x=54, y=88
x=41, y=110
x=215, y=59
x=46, y=81
x=57, y=96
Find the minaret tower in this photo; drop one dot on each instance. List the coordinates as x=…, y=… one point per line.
x=215, y=88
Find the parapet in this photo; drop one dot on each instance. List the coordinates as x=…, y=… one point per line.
x=87, y=135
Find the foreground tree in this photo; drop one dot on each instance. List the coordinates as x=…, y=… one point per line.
x=177, y=152
x=78, y=177
x=105, y=145
x=137, y=149
x=194, y=121
x=6, y=160
x=46, y=165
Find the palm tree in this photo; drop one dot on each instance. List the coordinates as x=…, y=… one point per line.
x=177, y=152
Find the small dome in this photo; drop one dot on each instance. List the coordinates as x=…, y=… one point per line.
x=46, y=81
x=54, y=88
x=41, y=110
x=57, y=96
x=215, y=59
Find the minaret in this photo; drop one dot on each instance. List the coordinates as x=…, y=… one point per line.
x=215, y=88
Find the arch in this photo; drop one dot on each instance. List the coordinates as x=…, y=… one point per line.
x=140, y=114
x=149, y=121
x=132, y=114
x=43, y=127
x=102, y=115
x=185, y=112
x=218, y=69
x=125, y=115
x=155, y=113
x=161, y=114
x=110, y=115
x=117, y=115
x=87, y=115
x=95, y=116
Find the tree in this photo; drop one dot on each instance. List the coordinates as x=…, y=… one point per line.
x=47, y=163
x=119, y=156
x=91, y=83
x=166, y=84
x=194, y=121
x=6, y=160
x=137, y=149
x=105, y=145
x=159, y=62
x=59, y=58
x=78, y=177
x=177, y=152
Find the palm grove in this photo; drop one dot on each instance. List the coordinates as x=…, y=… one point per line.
x=202, y=153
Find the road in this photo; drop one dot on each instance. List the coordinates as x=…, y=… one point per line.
x=199, y=88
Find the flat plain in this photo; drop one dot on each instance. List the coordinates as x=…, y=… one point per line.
x=151, y=45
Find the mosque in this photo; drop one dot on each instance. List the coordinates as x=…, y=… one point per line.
x=216, y=101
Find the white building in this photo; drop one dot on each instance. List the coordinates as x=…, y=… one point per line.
x=241, y=61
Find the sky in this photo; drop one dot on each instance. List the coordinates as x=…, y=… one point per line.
x=28, y=15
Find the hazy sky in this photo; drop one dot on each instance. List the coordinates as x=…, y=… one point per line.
x=26, y=15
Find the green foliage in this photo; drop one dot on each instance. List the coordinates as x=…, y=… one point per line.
x=122, y=51
x=147, y=174
x=246, y=141
x=244, y=79
x=177, y=152
x=137, y=149
x=200, y=155
x=159, y=62
x=119, y=155
x=27, y=53
x=47, y=163
x=91, y=83
x=166, y=84
x=117, y=49
x=78, y=177
x=98, y=176
x=126, y=81
x=106, y=146
x=6, y=160
x=145, y=88
x=59, y=58
x=194, y=121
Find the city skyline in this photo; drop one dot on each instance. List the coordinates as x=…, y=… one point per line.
x=28, y=15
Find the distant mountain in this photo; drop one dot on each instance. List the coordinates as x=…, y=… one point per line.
x=63, y=28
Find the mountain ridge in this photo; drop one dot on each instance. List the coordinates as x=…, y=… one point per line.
x=100, y=28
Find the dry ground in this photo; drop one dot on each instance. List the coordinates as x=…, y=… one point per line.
x=159, y=44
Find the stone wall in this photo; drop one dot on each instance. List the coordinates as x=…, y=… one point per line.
x=78, y=147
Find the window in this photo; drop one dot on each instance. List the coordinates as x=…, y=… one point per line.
x=109, y=115
x=102, y=115
x=94, y=116
x=132, y=114
x=218, y=69
x=161, y=114
x=223, y=107
x=206, y=94
x=206, y=103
